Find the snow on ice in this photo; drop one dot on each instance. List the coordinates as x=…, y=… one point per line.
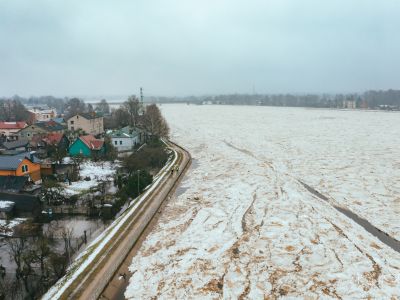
x=243, y=226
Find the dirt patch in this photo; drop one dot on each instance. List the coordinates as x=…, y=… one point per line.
x=215, y=285
x=290, y=248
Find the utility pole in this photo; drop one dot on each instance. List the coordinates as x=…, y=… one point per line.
x=141, y=100
x=138, y=178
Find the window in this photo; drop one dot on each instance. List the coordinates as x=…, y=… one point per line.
x=25, y=168
x=116, y=142
x=120, y=142
x=72, y=122
x=72, y=128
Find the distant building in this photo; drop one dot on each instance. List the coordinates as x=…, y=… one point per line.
x=41, y=129
x=39, y=114
x=87, y=146
x=349, y=104
x=124, y=141
x=24, y=164
x=90, y=123
x=10, y=129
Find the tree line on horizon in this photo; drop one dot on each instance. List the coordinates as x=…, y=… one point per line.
x=11, y=107
x=370, y=99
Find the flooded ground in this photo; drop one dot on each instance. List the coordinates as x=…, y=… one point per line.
x=244, y=226
x=74, y=226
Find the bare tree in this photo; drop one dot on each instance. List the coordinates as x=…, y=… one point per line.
x=103, y=107
x=74, y=106
x=121, y=117
x=13, y=110
x=90, y=108
x=133, y=107
x=67, y=235
x=154, y=123
x=16, y=248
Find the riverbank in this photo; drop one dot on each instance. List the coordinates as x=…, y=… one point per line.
x=95, y=266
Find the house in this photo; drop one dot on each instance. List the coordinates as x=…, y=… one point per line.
x=90, y=123
x=18, y=145
x=10, y=129
x=39, y=114
x=41, y=129
x=87, y=145
x=56, y=139
x=143, y=136
x=123, y=141
x=53, y=144
x=25, y=164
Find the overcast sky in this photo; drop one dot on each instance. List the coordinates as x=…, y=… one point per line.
x=184, y=47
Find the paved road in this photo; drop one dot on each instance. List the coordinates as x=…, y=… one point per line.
x=105, y=275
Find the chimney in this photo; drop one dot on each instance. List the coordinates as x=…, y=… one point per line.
x=31, y=154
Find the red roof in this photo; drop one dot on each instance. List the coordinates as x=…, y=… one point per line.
x=92, y=142
x=12, y=125
x=53, y=138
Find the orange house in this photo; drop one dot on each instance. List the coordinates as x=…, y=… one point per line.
x=20, y=165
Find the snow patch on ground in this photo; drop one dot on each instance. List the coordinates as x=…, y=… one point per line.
x=97, y=171
x=6, y=204
x=7, y=226
x=244, y=227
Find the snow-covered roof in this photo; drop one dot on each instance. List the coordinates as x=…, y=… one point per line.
x=122, y=134
x=12, y=125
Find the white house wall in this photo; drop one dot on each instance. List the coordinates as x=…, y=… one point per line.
x=124, y=144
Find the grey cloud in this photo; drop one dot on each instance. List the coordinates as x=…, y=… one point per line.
x=183, y=47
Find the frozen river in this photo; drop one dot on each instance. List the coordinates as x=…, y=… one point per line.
x=244, y=226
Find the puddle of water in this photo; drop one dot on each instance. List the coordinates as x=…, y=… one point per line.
x=382, y=236
x=180, y=190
